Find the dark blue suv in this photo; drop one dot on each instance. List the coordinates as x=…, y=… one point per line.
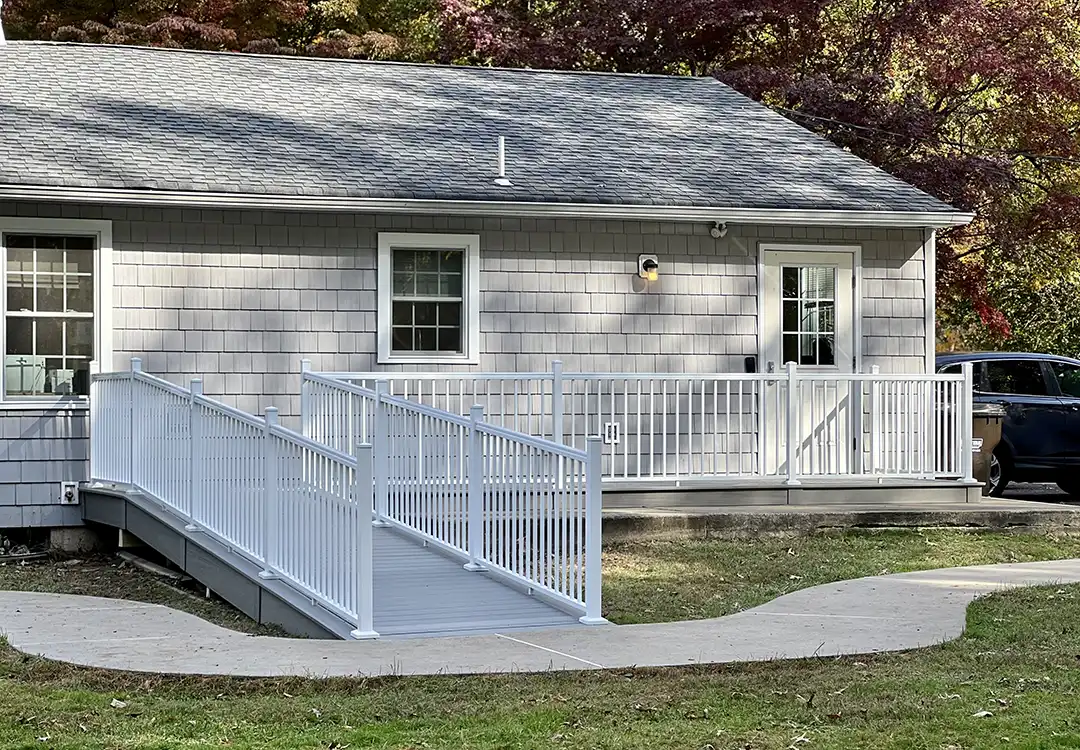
x=1041, y=395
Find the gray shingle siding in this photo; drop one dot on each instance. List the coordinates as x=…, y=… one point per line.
x=238, y=297
x=99, y=116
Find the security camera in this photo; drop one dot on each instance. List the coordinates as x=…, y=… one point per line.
x=719, y=230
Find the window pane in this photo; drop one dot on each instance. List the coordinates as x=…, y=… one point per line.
x=450, y=285
x=80, y=338
x=791, y=316
x=424, y=313
x=24, y=375
x=80, y=261
x=50, y=293
x=20, y=336
x=950, y=370
x=58, y=379
x=50, y=336
x=451, y=261
x=50, y=261
x=401, y=340
x=426, y=340
x=450, y=339
x=49, y=242
x=80, y=294
x=404, y=261
x=20, y=260
x=402, y=314
x=826, y=316
x=1068, y=377
x=404, y=284
x=427, y=284
x=1016, y=376
x=791, y=347
x=18, y=241
x=426, y=260
x=20, y=292
x=80, y=243
x=827, y=350
x=450, y=314
x=790, y=283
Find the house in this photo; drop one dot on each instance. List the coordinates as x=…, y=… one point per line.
x=224, y=215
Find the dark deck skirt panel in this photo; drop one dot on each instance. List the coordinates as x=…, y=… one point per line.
x=224, y=572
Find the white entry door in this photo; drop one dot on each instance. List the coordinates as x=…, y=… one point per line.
x=808, y=303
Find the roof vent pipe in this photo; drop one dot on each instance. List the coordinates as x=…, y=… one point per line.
x=2, y=40
x=501, y=179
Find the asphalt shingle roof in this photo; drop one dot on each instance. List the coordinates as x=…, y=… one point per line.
x=132, y=118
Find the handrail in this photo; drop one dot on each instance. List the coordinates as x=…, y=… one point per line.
x=532, y=441
x=307, y=443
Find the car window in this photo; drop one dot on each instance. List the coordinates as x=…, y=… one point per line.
x=1024, y=378
x=1068, y=378
x=953, y=369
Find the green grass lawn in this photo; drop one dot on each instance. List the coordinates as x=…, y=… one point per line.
x=1018, y=662
x=662, y=581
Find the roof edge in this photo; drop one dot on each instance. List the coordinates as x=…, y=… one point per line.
x=613, y=211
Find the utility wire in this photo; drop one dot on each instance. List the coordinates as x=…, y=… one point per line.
x=935, y=141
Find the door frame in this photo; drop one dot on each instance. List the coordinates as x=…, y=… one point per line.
x=856, y=293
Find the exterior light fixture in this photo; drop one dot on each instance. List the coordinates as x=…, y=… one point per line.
x=719, y=230
x=648, y=267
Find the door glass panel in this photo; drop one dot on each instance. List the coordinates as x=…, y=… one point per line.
x=1016, y=376
x=1068, y=378
x=808, y=320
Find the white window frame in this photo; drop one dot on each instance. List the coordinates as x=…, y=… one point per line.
x=469, y=244
x=102, y=233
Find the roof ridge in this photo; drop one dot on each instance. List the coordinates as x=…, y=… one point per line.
x=359, y=61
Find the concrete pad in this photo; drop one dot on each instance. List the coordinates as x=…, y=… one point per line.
x=866, y=615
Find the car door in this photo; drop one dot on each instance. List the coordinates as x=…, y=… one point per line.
x=1066, y=376
x=1034, y=417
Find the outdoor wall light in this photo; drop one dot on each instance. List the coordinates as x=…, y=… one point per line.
x=648, y=267
x=719, y=230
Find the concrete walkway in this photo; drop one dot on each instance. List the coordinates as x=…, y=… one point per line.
x=880, y=613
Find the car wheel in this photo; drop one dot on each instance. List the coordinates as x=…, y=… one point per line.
x=999, y=475
x=1070, y=486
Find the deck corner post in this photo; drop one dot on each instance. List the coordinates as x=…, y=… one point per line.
x=967, y=409
x=195, y=453
x=876, y=423
x=380, y=442
x=474, y=503
x=793, y=425
x=557, y=402
x=594, y=529
x=271, y=508
x=364, y=570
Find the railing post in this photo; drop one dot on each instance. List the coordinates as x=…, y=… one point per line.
x=875, y=420
x=195, y=454
x=967, y=408
x=133, y=432
x=594, y=529
x=271, y=501
x=95, y=455
x=305, y=399
x=557, y=402
x=474, y=503
x=364, y=572
x=793, y=423
x=380, y=441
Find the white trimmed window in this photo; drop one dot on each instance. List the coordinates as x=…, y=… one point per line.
x=52, y=306
x=429, y=291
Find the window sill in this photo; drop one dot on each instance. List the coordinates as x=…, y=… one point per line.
x=62, y=405
x=430, y=360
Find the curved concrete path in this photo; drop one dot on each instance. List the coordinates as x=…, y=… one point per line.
x=880, y=613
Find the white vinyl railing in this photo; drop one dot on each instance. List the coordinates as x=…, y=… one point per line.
x=521, y=507
x=670, y=428
x=300, y=510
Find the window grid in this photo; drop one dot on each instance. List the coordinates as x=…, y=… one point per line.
x=45, y=264
x=809, y=334
x=427, y=301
